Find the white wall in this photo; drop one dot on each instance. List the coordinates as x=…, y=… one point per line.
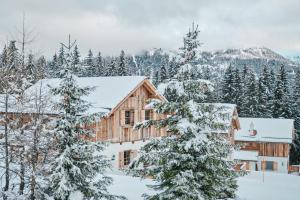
x=282, y=162
x=113, y=150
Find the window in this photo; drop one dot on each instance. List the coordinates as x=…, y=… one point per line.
x=148, y=114
x=129, y=117
x=269, y=165
x=126, y=158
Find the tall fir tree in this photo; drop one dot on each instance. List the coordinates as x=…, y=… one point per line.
x=122, y=68
x=237, y=88
x=295, y=148
x=262, y=99
x=61, y=56
x=75, y=56
x=228, y=85
x=79, y=165
x=281, y=104
x=191, y=162
x=99, y=64
x=250, y=99
x=163, y=73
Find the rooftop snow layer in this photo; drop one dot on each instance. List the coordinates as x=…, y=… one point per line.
x=107, y=93
x=265, y=130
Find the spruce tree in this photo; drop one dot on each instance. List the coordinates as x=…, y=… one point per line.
x=75, y=56
x=61, y=56
x=191, y=162
x=262, y=95
x=295, y=148
x=228, y=85
x=122, y=70
x=79, y=165
x=100, y=71
x=250, y=100
x=237, y=88
x=281, y=104
x=163, y=73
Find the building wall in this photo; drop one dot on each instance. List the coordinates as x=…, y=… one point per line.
x=280, y=164
x=113, y=151
x=114, y=127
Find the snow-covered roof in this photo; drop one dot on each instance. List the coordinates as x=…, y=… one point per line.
x=107, y=93
x=265, y=130
x=245, y=155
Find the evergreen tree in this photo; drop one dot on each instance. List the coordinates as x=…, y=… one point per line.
x=250, y=100
x=228, y=85
x=268, y=82
x=281, y=105
x=155, y=79
x=61, y=56
x=262, y=95
x=89, y=59
x=163, y=73
x=99, y=65
x=122, y=70
x=173, y=67
x=79, y=165
x=191, y=162
x=295, y=148
x=54, y=66
x=40, y=68
x=4, y=57
x=75, y=56
x=237, y=88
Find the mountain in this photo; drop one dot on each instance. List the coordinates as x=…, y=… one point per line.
x=255, y=58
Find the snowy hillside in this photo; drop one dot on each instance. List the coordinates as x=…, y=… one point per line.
x=255, y=58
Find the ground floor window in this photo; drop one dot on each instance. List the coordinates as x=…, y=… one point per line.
x=126, y=158
x=269, y=165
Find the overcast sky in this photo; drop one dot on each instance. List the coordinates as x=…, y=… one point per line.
x=134, y=25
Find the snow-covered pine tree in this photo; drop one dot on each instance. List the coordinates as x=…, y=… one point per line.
x=163, y=72
x=173, y=67
x=122, y=69
x=53, y=67
x=238, y=89
x=250, y=98
x=295, y=148
x=268, y=80
x=79, y=165
x=281, y=104
x=262, y=99
x=191, y=162
x=89, y=59
x=61, y=56
x=228, y=85
x=75, y=56
x=100, y=71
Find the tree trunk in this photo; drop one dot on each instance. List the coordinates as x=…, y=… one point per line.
x=6, y=143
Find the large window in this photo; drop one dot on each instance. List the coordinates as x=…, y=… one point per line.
x=129, y=117
x=126, y=158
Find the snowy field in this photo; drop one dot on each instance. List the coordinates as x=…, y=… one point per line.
x=251, y=187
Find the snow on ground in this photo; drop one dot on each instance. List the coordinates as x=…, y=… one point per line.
x=276, y=186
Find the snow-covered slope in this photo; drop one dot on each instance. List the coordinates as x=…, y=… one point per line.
x=255, y=58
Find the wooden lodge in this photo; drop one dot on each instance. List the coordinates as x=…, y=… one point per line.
x=265, y=143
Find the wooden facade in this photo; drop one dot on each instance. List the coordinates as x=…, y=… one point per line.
x=118, y=125
x=266, y=149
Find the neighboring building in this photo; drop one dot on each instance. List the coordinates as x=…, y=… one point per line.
x=265, y=143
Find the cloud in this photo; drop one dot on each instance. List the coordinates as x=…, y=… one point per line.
x=133, y=25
